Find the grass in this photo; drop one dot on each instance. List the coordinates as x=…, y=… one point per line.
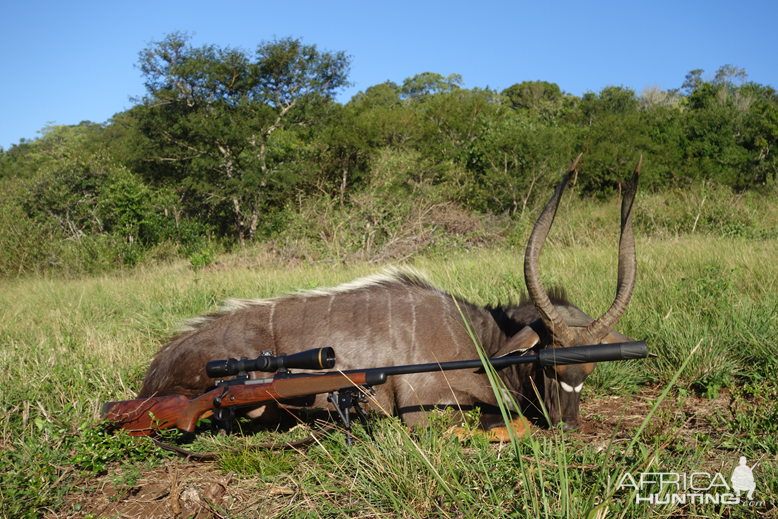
x=68, y=345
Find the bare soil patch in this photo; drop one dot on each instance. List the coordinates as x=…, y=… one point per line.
x=178, y=488
x=605, y=414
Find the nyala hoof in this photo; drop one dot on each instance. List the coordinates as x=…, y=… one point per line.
x=496, y=434
x=501, y=434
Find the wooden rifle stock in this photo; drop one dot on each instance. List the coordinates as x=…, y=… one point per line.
x=143, y=416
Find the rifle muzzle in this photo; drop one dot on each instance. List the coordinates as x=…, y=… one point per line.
x=593, y=353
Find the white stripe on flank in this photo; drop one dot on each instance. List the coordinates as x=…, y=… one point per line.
x=413, y=313
x=446, y=305
x=270, y=323
x=366, y=317
x=329, y=315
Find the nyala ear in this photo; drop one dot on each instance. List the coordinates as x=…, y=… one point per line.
x=520, y=342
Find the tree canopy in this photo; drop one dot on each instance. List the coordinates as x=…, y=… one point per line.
x=210, y=115
x=235, y=144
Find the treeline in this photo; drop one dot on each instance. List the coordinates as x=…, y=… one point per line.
x=230, y=147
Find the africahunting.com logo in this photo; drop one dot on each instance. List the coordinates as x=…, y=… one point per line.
x=670, y=488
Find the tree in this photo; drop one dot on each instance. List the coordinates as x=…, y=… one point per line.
x=421, y=86
x=730, y=75
x=453, y=122
x=383, y=94
x=527, y=93
x=618, y=100
x=611, y=100
x=693, y=81
x=515, y=156
x=653, y=97
x=356, y=134
x=540, y=99
x=55, y=144
x=212, y=114
x=612, y=145
x=732, y=129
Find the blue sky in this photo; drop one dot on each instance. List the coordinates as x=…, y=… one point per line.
x=65, y=62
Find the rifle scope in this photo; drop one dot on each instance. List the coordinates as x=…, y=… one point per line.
x=317, y=358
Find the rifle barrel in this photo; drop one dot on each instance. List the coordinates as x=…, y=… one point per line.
x=545, y=357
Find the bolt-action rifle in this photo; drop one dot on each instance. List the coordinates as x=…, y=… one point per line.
x=345, y=389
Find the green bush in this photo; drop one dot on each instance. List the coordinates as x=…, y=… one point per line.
x=89, y=216
x=25, y=245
